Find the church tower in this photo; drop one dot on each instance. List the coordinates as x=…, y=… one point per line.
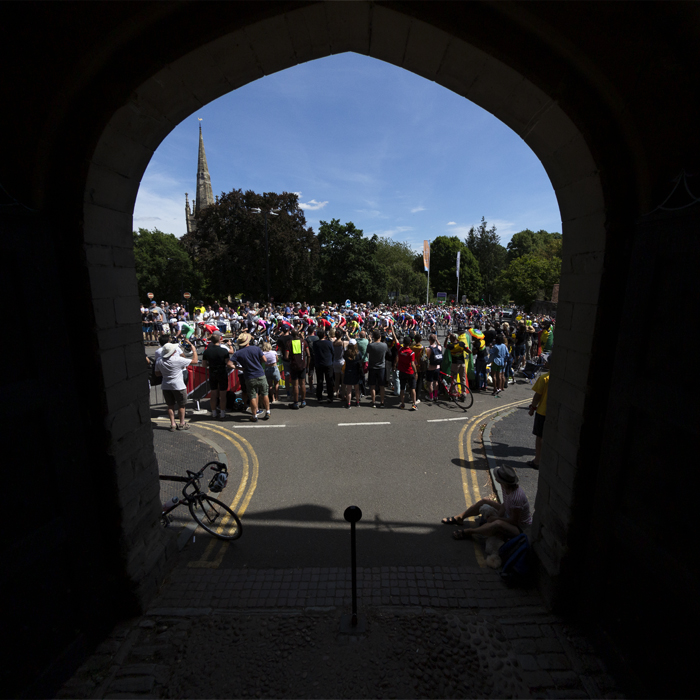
x=205, y=196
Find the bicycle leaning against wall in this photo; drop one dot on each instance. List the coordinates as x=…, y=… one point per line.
x=213, y=515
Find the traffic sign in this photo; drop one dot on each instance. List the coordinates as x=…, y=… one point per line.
x=150, y=295
x=186, y=295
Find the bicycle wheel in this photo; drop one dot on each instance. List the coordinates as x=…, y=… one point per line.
x=455, y=398
x=468, y=399
x=216, y=518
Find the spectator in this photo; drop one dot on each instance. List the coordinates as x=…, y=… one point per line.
x=513, y=516
x=170, y=365
x=539, y=408
x=272, y=372
x=376, y=354
x=323, y=360
x=352, y=371
x=250, y=358
x=297, y=354
x=216, y=359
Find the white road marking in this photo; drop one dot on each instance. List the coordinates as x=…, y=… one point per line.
x=240, y=427
x=442, y=420
x=372, y=423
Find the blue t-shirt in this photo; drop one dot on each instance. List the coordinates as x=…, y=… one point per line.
x=498, y=354
x=252, y=360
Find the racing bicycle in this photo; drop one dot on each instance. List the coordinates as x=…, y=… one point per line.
x=213, y=515
x=449, y=384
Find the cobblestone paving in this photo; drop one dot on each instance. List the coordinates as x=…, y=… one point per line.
x=209, y=635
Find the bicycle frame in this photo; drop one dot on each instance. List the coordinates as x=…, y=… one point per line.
x=191, y=481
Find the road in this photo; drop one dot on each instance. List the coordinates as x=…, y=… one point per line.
x=293, y=476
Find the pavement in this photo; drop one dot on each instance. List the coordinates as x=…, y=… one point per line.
x=267, y=615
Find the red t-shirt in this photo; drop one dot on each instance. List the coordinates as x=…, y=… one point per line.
x=405, y=360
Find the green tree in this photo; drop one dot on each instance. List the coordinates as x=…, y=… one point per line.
x=164, y=267
x=229, y=246
x=485, y=245
x=443, y=267
x=348, y=265
x=527, y=275
x=399, y=275
x=542, y=243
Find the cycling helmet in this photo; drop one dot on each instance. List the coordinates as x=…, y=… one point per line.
x=218, y=482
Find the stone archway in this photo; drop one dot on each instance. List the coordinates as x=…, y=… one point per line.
x=136, y=129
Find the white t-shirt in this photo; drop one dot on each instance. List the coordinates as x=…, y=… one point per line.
x=171, y=369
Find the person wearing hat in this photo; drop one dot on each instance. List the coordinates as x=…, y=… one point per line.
x=251, y=359
x=513, y=517
x=170, y=365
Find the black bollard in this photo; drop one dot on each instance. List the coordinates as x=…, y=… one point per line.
x=353, y=624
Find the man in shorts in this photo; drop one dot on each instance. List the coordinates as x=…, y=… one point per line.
x=169, y=366
x=216, y=359
x=539, y=408
x=251, y=359
x=406, y=363
x=297, y=357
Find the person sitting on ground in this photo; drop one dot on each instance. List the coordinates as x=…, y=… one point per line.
x=513, y=517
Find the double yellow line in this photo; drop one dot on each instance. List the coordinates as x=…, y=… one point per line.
x=211, y=559
x=470, y=484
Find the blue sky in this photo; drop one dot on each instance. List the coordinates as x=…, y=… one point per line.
x=361, y=141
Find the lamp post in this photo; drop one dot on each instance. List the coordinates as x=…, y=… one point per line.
x=271, y=212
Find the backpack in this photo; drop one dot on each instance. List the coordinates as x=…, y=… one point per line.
x=515, y=554
x=437, y=355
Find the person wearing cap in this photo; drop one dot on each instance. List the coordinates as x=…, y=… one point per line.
x=513, y=517
x=158, y=316
x=251, y=359
x=216, y=359
x=170, y=365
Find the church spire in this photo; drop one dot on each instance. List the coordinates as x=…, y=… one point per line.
x=205, y=196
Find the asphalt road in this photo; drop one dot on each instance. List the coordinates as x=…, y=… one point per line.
x=293, y=476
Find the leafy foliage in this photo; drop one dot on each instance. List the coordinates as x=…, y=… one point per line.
x=164, y=267
x=348, y=265
x=398, y=273
x=229, y=246
x=443, y=267
x=541, y=243
x=526, y=276
x=486, y=247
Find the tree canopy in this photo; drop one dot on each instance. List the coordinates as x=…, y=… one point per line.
x=164, y=267
x=485, y=245
x=229, y=246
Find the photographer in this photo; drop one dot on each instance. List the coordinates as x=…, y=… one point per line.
x=170, y=366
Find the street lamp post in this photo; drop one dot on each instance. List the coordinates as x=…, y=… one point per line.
x=272, y=212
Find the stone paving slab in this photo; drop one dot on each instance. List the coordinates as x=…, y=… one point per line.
x=440, y=587
x=408, y=652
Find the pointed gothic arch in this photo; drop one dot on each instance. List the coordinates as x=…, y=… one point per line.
x=311, y=32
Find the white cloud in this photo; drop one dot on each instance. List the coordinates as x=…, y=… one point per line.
x=312, y=205
x=415, y=210
x=504, y=229
x=168, y=211
x=451, y=223
x=371, y=213
x=389, y=233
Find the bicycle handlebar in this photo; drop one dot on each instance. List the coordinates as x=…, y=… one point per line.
x=218, y=467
